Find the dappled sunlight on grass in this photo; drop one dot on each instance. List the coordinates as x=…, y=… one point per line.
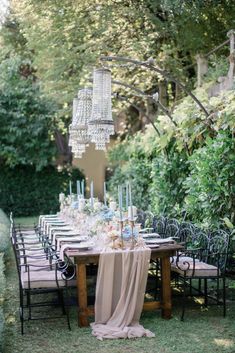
x=227, y=343
x=201, y=332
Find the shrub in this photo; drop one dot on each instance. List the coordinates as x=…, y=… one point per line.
x=4, y=247
x=211, y=183
x=4, y=233
x=2, y=321
x=26, y=192
x=156, y=176
x=134, y=166
x=2, y=294
x=167, y=190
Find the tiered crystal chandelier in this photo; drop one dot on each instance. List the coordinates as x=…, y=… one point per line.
x=78, y=132
x=100, y=125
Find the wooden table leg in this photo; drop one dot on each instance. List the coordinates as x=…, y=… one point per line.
x=166, y=288
x=82, y=294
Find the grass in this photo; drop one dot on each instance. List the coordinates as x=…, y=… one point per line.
x=26, y=221
x=202, y=331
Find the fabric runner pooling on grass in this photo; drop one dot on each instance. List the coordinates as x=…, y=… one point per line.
x=120, y=290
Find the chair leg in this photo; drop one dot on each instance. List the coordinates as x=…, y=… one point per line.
x=184, y=296
x=61, y=301
x=224, y=296
x=199, y=285
x=67, y=310
x=29, y=305
x=217, y=289
x=156, y=279
x=190, y=287
x=21, y=310
x=205, y=292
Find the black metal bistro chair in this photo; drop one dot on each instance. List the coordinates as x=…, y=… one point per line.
x=42, y=276
x=203, y=260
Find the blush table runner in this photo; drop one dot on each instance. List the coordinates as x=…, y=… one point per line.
x=120, y=290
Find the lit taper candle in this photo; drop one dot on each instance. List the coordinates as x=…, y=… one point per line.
x=92, y=193
x=120, y=200
x=78, y=188
x=83, y=192
x=105, y=197
x=127, y=196
x=131, y=206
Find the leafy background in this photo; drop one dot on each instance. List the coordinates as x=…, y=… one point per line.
x=48, y=51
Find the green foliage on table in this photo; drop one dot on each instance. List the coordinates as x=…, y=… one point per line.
x=26, y=192
x=26, y=117
x=211, y=183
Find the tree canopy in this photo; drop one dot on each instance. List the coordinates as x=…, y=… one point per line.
x=67, y=37
x=26, y=124
x=49, y=49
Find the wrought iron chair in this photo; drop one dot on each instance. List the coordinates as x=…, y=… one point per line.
x=173, y=221
x=172, y=230
x=40, y=277
x=159, y=225
x=206, y=260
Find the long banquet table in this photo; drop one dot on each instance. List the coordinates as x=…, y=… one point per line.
x=83, y=258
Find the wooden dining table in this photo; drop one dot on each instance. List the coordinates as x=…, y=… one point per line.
x=84, y=258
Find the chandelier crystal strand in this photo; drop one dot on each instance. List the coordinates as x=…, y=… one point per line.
x=83, y=114
x=78, y=131
x=100, y=125
x=75, y=107
x=78, y=148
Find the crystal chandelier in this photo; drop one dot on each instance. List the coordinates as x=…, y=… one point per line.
x=78, y=150
x=78, y=132
x=100, y=125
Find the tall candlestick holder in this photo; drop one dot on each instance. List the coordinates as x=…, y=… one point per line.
x=121, y=224
x=132, y=224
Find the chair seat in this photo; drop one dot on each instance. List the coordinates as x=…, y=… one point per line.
x=38, y=262
x=44, y=279
x=183, y=259
x=186, y=267
x=28, y=232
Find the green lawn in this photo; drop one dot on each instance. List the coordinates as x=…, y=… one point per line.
x=203, y=331
x=26, y=221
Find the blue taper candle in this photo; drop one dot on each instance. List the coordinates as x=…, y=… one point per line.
x=83, y=193
x=105, y=197
x=127, y=196
x=78, y=188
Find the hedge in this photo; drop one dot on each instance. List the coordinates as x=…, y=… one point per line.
x=4, y=248
x=26, y=192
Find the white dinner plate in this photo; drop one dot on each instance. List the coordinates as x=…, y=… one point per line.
x=150, y=235
x=66, y=229
x=159, y=241
x=74, y=239
x=152, y=241
x=85, y=245
x=56, y=221
x=153, y=246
